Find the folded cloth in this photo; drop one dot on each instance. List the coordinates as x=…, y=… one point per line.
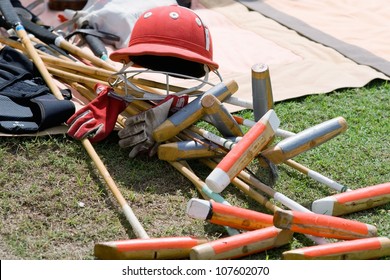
x=116, y=17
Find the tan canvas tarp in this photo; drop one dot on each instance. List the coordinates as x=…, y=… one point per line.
x=298, y=65
x=359, y=29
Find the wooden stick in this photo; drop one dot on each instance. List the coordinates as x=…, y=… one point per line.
x=337, y=205
x=202, y=188
x=13, y=19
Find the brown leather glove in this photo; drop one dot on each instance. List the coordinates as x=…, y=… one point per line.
x=137, y=133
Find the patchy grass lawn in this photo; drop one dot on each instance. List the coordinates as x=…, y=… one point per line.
x=55, y=205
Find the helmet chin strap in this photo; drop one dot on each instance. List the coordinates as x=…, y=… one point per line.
x=125, y=76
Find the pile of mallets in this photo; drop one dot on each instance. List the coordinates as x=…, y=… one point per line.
x=228, y=157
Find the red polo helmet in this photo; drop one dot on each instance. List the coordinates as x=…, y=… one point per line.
x=170, y=39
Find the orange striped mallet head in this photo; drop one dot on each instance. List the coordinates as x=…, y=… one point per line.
x=147, y=249
x=322, y=225
x=243, y=152
x=241, y=245
x=358, y=249
x=228, y=215
x=353, y=201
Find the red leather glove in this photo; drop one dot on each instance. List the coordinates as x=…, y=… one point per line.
x=97, y=119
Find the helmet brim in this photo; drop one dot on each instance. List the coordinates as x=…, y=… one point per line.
x=156, y=49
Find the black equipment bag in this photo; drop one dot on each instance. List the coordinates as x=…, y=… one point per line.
x=26, y=103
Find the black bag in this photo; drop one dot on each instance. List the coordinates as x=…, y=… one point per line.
x=26, y=103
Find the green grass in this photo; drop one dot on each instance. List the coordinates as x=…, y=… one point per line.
x=44, y=180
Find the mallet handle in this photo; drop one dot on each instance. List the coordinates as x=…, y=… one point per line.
x=11, y=16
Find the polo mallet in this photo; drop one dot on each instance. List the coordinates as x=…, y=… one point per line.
x=312, y=223
x=145, y=247
x=305, y=140
x=262, y=97
x=11, y=17
x=305, y=221
x=312, y=251
x=217, y=114
x=353, y=201
x=191, y=113
x=241, y=245
x=202, y=188
x=249, y=190
x=49, y=37
x=358, y=249
x=339, y=204
x=294, y=144
x=328, y=226
x=242, y=153
x=227, y=215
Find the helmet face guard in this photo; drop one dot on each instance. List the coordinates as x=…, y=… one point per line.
x=125, y=78
x=171, y=39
